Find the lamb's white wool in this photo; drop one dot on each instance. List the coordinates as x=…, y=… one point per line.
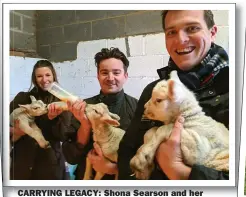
x=26, y=115
x=203, y=140
x=105, y=134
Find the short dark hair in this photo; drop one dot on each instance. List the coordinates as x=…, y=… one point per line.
x=106, y=53
x=41, y=64
x=208, y=17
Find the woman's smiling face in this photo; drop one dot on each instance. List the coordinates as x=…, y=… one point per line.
x=44, y=77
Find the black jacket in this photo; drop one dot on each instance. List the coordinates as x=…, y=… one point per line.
x=28, y=160
x=75, y=153
x=213, y=98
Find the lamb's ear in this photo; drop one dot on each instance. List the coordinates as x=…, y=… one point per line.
x=107, y=119
x=171, y=94
x=32, y=98
x=26, y=107
x=114, y=116
x=174, y=91
x=174, y=76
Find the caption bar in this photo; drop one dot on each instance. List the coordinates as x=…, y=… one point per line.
x=108, y=192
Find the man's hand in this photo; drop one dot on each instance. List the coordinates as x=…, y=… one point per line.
x=169, y=156
x=16, y=129
x=78, y=110
x=100, y=163
x=54, y=110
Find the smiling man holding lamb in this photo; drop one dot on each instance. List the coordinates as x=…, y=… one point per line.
x=203, y=67
x=112, y=74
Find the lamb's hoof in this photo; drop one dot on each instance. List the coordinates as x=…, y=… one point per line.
x=45, y=144
x=141, y=160
x=143, y=175
x=136, y=164
x=87, y=178
x=48, y=146
x=141, y=168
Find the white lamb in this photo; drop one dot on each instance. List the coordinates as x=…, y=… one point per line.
x=105, y=134
x=25, y=114
x=203, y=140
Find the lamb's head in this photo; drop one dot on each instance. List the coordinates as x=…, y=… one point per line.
x=36, y=108
x=99, y=113
x=166, y=100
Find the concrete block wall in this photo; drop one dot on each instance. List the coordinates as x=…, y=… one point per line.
x=59, y=31
x=79, y=76
x=23, y=30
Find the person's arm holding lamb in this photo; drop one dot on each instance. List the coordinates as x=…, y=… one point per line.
x=170, y=160
x=83, y=138
x=76, y=145
x=169, y=156
x=100, y=163
x=15, y=130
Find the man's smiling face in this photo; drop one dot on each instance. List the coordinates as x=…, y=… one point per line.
x=188, y=38
x=111, y=75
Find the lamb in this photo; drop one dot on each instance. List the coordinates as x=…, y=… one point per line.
x=203, y=140
x=25, y=114
x=105, y=134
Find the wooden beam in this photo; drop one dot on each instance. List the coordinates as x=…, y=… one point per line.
x=17, y=53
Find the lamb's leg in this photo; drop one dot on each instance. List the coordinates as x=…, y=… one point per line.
x=24, y=126
x=135, y=162
x=116, y=176
x=220, y=161
x=220, y=165
x=88, y=170
x=38, y=136
x=99, y=175
x=142, y=162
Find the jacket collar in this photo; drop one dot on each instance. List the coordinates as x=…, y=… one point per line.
x=111, y=99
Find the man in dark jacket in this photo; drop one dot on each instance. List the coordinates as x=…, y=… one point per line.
x=203, y=67
x=112, y=73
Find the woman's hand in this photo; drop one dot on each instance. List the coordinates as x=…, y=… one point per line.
x=54, y=111
x=15, y=130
